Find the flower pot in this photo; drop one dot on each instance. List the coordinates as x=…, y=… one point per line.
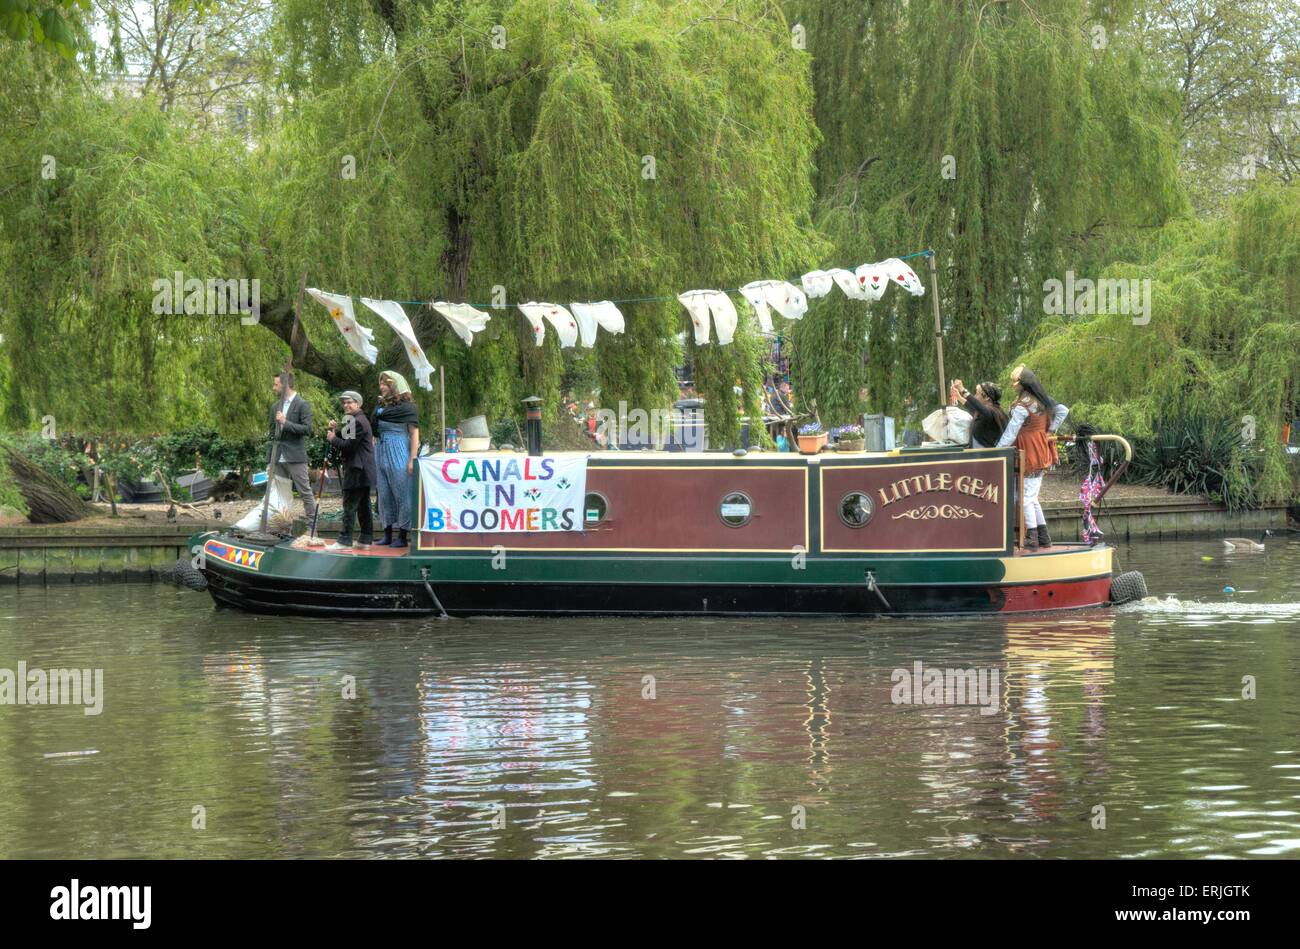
x=812, y=444
x=850, y=444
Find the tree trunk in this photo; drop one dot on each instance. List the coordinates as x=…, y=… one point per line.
x=338, y=372
x=49, y=500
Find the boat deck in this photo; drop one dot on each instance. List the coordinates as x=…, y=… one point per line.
x=300, y=543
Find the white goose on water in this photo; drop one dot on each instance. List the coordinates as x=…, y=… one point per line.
x=1234, y=544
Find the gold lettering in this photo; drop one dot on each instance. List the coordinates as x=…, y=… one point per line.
x=990, y=493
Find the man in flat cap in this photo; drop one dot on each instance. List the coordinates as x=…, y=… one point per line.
x=354, y=440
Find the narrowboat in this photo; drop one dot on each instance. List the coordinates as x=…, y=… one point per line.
x=682, y=533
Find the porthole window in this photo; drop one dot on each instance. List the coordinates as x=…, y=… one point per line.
x=736, y=509
x=594, y=509
x=856, y=509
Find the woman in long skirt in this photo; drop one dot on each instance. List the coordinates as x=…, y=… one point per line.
x=397, y=443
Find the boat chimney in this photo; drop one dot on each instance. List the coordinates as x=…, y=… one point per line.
x=533, y=424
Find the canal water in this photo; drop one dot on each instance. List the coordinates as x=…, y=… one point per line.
x=1106, y=733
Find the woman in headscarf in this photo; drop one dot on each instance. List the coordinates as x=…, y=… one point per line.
x=397, y=443
x=1034, y=416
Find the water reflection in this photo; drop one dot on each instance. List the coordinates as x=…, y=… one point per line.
x=663, y=738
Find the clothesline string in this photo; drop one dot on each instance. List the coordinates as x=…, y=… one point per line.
x=662, y=299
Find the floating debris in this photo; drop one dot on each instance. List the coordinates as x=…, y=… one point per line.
x=70, y=754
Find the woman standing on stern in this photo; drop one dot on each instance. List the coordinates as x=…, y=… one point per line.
x=1033, y=416
x=397, y=443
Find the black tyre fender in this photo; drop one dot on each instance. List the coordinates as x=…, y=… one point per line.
x=1127, y=587
x=183, y=574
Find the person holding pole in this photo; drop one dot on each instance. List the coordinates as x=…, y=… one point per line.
x=290, y=424
x=355, y=442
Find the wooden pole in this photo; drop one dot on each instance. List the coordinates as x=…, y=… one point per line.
x=288, y=366
x=297, y=320
x=938, y=328
x=442, y=408
x=1020, y=496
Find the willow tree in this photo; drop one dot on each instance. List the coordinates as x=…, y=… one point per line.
x=101, y=199
x=478, y=150
x=543, y=150
x=1015, y=139
x=1220, y=335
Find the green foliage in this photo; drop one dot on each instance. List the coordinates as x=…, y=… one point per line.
x=205, y=448
x=129, y=460
x=51, y=24
x=1221, y=340
x=10, y=495
x=1192, y=452
x=994, y=134
x=61, y=458
x=106, y=200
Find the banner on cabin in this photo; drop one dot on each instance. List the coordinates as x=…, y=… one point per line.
x=470, y=493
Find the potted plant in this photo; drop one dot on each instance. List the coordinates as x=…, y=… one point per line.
x=812, y=438
x=849, y=438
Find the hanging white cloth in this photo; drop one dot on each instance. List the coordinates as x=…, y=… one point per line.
x=903, y=276
x=586, y=321
x=697, y=305
x=358, y=337
x=787, y=299
x=755, y=295
x=873, y=278
x=560, y=318
x=603, y=314
x=817, y=283
x=537, y=323
x=779, y=295
x=703, y=304
x=464, y=319
x=391, y=312
x=724, y=316
x=535, y=320
x=847, y=281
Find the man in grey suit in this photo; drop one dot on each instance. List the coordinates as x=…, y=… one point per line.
x=290, y=425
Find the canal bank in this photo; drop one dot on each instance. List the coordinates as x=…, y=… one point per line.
x=137, y=548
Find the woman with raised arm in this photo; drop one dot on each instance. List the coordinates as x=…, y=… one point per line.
x=985, y=406
x=1034, y=416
